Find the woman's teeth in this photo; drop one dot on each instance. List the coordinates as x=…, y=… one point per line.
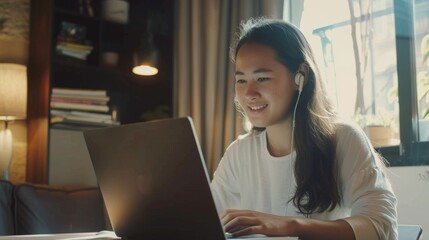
x=255, y=108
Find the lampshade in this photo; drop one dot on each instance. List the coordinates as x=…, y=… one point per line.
x=146, y=57
x=13, y=91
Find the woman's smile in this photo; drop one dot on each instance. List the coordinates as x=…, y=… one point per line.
x=258, y=108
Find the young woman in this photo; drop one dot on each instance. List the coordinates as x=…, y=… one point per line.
x=299, y=171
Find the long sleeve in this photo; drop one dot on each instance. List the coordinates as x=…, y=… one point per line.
x=364, y=187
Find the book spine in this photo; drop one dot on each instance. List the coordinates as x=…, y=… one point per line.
x=80, y=101
x=67, y=96
x=83, y=92
x=76, y=106
x=90, y=119
x=78, y=55
x=75, y=46
x=88, y=114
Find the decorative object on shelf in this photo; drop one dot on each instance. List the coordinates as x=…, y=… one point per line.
x=115, y=11
x=13, y=105
x=146, y=55
x=109, y=58
x=71, y=32
x=86, y=8
x=160, y=112
x=72, y=41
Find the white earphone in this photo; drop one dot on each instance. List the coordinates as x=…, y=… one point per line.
x=299, y=80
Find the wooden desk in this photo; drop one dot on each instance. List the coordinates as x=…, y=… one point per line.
x=104, y=236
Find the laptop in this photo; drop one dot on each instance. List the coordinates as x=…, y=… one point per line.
x=154, y=181
x=412, y=232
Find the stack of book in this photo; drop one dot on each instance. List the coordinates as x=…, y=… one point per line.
x=72, y=41
x=81, y=107
x=74, y=50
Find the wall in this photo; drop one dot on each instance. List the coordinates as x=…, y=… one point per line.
x=69, y=161
x=411, y=186
x=14, y=28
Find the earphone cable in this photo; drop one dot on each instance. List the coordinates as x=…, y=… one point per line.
x=291, y=149
x=293, y=121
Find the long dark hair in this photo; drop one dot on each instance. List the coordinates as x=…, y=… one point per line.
x=314, y=137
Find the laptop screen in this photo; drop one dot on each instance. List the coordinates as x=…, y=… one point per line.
x=154, y=181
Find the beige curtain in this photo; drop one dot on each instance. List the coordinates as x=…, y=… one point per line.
x=204, y=74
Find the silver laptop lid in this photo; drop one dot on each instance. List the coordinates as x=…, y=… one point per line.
x=154, y=181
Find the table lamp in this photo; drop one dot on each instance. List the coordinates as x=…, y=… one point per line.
x=13, y=105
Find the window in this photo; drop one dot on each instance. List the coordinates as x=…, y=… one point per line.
x=364, y=53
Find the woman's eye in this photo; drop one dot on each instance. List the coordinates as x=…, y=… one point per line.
x=261, y=79
x=240, y=81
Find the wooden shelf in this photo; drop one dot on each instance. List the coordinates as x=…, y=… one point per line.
x=130, y=94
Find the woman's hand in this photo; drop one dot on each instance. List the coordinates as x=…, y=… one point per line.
x=245, y=222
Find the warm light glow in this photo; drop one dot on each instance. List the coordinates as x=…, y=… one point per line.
x=13, y=91
x=145, y=70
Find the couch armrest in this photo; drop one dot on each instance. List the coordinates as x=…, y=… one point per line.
x=6, y=206
x=47, y=209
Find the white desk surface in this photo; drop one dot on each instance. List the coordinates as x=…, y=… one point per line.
x=64, y=236
x=103, y=235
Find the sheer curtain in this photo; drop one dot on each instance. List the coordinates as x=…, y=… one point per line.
x=203, y=72
x=361, y=12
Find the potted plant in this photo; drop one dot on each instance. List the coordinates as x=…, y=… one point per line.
x=379, y=128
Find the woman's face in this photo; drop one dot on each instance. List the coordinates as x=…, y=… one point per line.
x=264, y=87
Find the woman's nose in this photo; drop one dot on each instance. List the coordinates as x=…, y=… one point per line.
x=251, y=92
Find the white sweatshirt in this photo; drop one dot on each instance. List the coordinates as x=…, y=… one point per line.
x=248, y=177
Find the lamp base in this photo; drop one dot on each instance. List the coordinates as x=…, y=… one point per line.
x=5, y=153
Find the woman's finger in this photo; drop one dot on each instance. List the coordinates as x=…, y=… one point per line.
x=246, y=231
x=240, y=221
x=228, y=215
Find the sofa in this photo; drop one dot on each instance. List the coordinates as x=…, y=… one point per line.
x=44, y=209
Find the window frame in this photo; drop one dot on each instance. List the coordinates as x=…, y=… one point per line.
x=410, y=152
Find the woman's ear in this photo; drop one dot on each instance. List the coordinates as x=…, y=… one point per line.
x=304, y=69
x=301, y=76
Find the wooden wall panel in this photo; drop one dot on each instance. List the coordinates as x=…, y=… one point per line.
x=38, y=90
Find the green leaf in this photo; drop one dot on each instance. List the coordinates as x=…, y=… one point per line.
x=426, y=113
x=426, y=56
x=424, y=47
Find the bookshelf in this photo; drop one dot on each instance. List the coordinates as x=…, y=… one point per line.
x=72, y=49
